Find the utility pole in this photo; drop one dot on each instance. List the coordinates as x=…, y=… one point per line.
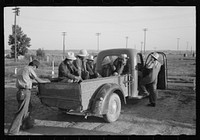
x=16, y=11
x=141, y=47
x=178, y=44
x=145, y=29
x=63, y=33
x=126, y=41
x=98, y=34
x=187, y=47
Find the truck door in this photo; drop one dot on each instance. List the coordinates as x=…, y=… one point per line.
x=162, y=76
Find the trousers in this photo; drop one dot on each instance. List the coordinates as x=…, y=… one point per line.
x=150, y=88
x=24, y=109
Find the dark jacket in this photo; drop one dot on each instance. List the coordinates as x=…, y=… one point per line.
x=120, y=69
x=107, y=70
x=67, y=71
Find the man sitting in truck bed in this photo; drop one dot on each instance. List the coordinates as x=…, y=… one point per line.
x=67, y=72
x=121, y=65
x=107, y=67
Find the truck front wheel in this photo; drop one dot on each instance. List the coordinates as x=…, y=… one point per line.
x=114, y=108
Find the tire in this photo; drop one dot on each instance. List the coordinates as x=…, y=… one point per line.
x=114, y=108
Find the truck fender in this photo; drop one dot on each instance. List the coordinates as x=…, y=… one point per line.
x=100, y=100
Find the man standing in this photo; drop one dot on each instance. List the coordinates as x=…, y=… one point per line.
x=24, y=85
x=149, y=80
x=80, y=64
x=67, y=72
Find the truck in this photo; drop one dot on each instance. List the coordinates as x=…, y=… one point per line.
x=102, y=97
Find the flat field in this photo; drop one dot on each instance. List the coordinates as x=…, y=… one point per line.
x=175, y=113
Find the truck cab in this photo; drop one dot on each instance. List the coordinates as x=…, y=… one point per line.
x=101, y=96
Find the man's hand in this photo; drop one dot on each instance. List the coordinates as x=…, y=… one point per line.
x=77, y=79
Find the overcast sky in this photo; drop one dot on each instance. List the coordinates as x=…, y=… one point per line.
x=44, y=25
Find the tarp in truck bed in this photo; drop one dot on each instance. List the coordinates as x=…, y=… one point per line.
x=61, y=95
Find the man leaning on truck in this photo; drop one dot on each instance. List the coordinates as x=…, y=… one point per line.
x=67, y=72
x=24, y=84
x=149, y=80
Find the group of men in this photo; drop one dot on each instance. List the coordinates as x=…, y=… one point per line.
x=76, y=69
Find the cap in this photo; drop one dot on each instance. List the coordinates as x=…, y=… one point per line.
x=36, y=63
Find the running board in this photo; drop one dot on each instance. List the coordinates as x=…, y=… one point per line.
x=138, y=97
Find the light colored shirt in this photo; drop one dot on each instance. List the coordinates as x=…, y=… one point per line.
x=25, y=77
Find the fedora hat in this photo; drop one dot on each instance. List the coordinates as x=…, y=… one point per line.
x=155, y=55
x=70, y=56
x=124, y=56
x=83, y=53
x=91, y=57
x=106, y=60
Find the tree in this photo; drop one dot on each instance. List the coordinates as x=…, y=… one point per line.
x=22, y=42
x=40, y=53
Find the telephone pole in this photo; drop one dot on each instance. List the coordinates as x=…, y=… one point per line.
x=126, y=41
x=63, y=33
x=98, y=34
x=141, y=47
x=16, y=11
x=145, y=29
x=178, y=44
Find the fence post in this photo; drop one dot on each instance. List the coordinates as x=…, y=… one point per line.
x=52, y=68
x=47, y=58
x=15, y=71
x=31, y=58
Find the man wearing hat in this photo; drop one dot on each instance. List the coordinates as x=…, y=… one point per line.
x=24, y=85
x=67, y=72
x=91, y=67
x=121, y=65
x=149, y=80
x=107, y=67
x=80, y=64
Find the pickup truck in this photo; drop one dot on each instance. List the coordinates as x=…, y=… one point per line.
x=103, y=96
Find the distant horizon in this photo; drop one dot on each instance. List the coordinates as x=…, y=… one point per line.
x=159, y=27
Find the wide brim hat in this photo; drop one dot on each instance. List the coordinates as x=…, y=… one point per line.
x=90, y=57
x=83, y=53
x=70, y=56
x=155, y=55
x=106, y=61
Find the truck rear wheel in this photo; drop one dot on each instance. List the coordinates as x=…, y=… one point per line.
x=114, y=108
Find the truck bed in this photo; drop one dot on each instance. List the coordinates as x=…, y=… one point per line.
x=73, y=95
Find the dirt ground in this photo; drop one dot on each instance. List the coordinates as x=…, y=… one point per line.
x=175, y=114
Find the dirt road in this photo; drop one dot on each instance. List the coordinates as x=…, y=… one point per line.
x=174, y=114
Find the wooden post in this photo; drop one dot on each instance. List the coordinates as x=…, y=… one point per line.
x=15, y=71
x=47, y=58
x=52, y=68
x=31, y=59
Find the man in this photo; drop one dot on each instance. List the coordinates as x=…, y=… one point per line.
x=91, y=67
x=107, y=67
x=80, y=64
x=121, y=65
x=67, y=72
x=24, y=85
x=149, y=80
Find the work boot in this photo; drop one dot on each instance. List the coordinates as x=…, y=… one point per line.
x=151, y=104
